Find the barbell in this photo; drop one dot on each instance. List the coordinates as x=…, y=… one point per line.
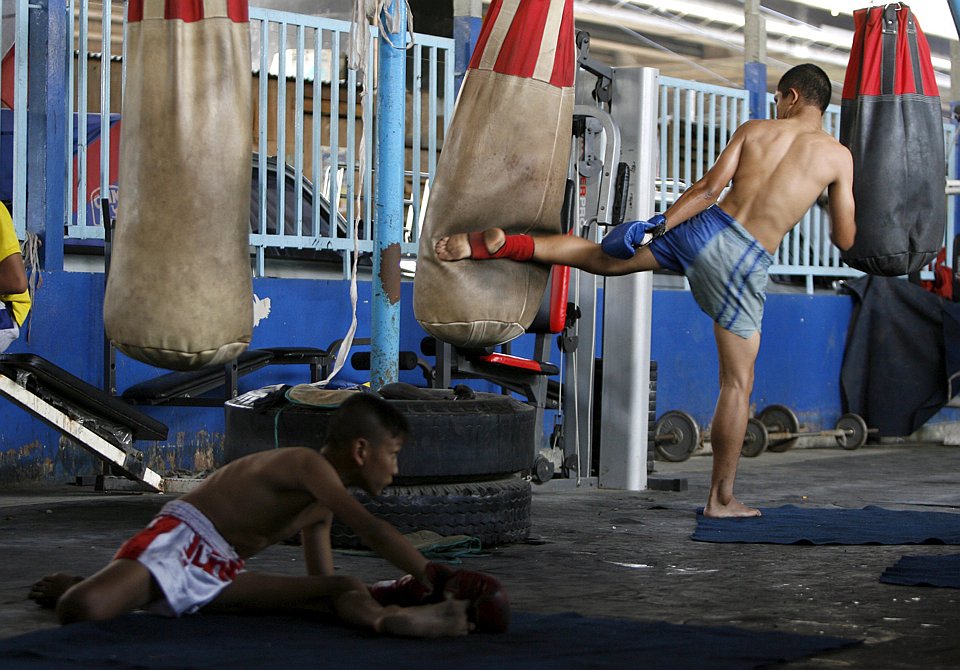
x=783, y=429
x=776, y=429
x=676, y=436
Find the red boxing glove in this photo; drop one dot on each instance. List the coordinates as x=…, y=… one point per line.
x=409, y=591
x=405, y=592
x=489, y=608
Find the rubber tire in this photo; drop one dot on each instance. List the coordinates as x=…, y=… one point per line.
x=488, y=437
x=496, y=512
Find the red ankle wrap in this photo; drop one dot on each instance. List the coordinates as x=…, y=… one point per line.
x=515, y=247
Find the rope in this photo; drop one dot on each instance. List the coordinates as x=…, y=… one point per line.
x=276, y=427
x=31, y=259
x=374, y=12
x=347, y=343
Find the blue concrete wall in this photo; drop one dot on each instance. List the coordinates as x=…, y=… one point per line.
x=801, y=352
x=799, y=364
x=67, y=329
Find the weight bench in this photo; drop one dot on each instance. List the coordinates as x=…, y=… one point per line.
x=193, y=388
x=98, y=422
x=406, y=360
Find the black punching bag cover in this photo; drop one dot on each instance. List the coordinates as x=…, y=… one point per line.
x=891, y=122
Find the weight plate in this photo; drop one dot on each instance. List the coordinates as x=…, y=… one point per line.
x=854, y=429
x=755, y=440
x=676, y=435
x=780, y=419
x=543, y=470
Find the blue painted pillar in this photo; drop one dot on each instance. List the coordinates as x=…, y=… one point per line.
x=755, y=81
x=467, y=20
x=388, y=228
x=46, y=128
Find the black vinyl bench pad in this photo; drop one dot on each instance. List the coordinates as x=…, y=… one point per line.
x=85, y=397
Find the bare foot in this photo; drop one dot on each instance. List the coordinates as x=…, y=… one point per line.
x=48, y=590
x=446, y=619
x=457, y=247
x=733, y=509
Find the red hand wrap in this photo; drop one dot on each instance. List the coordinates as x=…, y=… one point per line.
x=515, y=248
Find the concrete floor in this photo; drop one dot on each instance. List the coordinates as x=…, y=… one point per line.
x=619, y=554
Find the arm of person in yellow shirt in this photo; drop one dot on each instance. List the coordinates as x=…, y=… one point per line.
x=13, y=276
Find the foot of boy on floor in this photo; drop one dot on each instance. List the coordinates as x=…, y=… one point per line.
x=489, y=605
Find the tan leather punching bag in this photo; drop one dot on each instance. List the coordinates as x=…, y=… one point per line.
x=504, y=163
x=179, y=294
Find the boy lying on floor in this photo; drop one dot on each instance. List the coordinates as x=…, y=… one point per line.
x=191, y=555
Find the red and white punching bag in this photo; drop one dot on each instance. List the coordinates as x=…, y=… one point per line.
x=504, y=163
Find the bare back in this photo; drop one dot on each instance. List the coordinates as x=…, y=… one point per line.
x=781, y=168
x=266, y=497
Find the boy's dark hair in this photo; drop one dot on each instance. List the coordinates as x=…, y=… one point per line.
x=368, y=416
x=811, y=83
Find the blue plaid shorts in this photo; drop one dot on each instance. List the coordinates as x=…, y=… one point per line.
x=725, y=265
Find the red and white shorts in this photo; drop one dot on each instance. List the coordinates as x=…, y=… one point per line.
x=186, y=555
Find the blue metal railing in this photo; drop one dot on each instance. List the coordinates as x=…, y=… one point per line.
x=308, y=148
x=18, y=137
x=697, y=121
x=334, y=174
x=806, y=250
x=90, y=129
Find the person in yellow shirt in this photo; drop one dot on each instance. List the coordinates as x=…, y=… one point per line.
x=14, y=298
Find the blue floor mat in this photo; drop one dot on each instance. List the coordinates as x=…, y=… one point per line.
x=810, y=525
x=534, y=642
x=924, y=571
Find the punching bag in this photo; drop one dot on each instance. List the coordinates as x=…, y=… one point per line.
x=891, y=121
x=179, y=294
x=504, y=163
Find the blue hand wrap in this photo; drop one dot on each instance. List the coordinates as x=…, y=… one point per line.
x=623, y=241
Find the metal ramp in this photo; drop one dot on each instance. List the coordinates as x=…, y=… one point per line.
x=97, y=421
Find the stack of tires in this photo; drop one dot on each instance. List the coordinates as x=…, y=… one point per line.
x=458, y=470
x=598, y=416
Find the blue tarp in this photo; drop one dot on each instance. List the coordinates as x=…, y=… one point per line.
x=816, y=525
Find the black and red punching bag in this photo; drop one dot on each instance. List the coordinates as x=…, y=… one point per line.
x=892, y=123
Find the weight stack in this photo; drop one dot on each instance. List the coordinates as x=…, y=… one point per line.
x=652, y=417
x=597, y=416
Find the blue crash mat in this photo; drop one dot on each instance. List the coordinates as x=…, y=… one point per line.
x=534, y=642
x=924, y=571
x=810, y=525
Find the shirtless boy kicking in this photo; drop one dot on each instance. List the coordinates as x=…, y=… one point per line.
x=778, y=168
x=191, y=555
